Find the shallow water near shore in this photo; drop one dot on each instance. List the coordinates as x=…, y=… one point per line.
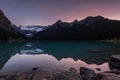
x=57, y=55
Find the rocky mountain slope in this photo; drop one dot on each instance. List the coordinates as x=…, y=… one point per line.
x=90, y=28
x=6, y=30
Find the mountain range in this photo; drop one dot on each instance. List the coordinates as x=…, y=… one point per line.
x=90, y=28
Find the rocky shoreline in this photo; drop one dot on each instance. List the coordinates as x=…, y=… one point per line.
x=84, y=73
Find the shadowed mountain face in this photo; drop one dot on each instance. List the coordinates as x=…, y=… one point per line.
x=4, y=22
x=91, y=28
x=6, y=30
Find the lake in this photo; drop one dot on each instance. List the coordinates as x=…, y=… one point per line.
x=55, y=55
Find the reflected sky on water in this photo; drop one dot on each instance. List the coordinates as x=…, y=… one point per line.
x=58, y=55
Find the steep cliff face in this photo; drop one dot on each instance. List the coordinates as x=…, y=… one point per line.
x=4, y=22
x=6, y=30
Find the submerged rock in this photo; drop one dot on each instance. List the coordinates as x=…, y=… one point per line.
x=67, y=75
x=98, y=69
x=42, y=75
x=85, y=74
x=20, y=76
x=73, y=69
x=35, y=68
x=56, y=75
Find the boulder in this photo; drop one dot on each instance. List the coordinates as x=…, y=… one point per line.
x=108, y=76
x=114, y=62
x=88, y=74
x=113, y=71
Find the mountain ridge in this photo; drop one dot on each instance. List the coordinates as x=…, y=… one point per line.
x=90, y=28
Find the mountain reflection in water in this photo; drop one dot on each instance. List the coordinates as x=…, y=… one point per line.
x=23, y=56
x=25, y=62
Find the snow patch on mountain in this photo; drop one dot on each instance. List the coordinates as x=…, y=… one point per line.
x=32, y=28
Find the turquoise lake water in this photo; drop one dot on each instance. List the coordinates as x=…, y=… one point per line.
x=55, y=55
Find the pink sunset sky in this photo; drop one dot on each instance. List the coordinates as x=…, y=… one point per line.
x=46, y=12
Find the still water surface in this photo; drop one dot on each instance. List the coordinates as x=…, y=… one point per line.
x=54, y=55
